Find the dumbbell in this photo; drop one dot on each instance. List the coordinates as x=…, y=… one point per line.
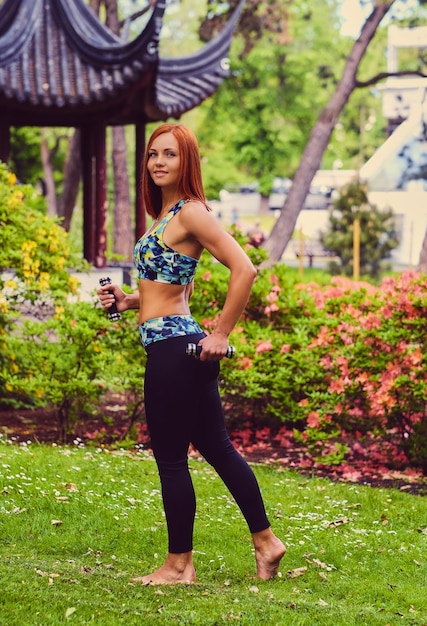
x=112, y=312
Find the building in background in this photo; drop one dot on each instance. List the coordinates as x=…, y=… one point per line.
x=396, y=174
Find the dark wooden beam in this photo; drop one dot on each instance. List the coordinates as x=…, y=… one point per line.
x=4, y=141
x=101, y=203
x=88, y=159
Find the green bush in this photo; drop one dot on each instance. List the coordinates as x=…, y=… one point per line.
x=35, y=257
x=69, y=361
x=55, y=353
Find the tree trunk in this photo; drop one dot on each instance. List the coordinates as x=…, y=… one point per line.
x=319, y=138
x=122, y=241
x=95, y=5
x=122, y=237
x=422, y=263
x=46, y=157
x=72, y=176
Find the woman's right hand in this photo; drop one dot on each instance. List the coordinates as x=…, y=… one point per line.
x=107, y=299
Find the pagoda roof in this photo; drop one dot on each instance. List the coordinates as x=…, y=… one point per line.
x=60, y=66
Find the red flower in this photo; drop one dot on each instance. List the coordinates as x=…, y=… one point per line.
x=264, y=346
x=244, y=362
x=313, y=420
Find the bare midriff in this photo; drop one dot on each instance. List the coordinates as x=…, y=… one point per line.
x=160, y=299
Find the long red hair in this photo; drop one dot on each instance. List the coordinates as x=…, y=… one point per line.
x=191, y=183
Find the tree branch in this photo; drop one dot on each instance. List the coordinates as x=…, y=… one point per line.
x=375, y=79
x=134, y=16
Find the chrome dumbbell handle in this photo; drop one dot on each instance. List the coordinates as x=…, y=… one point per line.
x=195, y=350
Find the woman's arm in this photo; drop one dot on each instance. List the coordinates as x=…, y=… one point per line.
x=203, y=226
x=189, y=290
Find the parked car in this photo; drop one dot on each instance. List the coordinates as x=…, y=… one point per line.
x=243, y=188
x=318, y=197
x=243, y=199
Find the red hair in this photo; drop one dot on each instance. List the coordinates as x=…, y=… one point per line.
x=191, y=184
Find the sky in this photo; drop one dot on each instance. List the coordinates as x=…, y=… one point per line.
x=354, y=16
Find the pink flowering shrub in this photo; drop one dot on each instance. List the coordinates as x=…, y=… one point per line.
x=326, y=360
x=372, y=352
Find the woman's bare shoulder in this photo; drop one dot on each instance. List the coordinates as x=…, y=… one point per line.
x=195, y=205
x=195, y=212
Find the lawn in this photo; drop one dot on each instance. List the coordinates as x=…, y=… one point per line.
x=77, y=523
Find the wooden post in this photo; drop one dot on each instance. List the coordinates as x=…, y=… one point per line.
x=300, y=253
x=100, y=197
x=140, y=221
x=356, y=249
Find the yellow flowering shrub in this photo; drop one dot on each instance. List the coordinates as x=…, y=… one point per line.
x=35, y=252
x=35, y=256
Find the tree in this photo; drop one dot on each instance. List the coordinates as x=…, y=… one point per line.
x=283, y=67
x=299, y=76
x=43, y=157
x=122, y=243
x=321, y=133
x=319, y=137
x=377, y=232
x=71, y=180
x=49, y=154
x=25, y=158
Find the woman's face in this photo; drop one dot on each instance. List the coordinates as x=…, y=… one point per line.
x=163, y=162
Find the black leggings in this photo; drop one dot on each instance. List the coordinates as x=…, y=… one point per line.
x=183, y=406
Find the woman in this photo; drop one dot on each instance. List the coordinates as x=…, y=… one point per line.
x=182, y=402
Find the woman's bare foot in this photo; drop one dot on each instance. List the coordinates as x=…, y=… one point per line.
x=178, y=568
x=269, y=551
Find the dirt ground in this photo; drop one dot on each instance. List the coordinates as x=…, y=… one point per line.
x=41, y=426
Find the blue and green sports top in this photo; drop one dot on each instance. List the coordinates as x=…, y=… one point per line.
x=158, y=262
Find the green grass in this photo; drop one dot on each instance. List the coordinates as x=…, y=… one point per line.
x=364, y=549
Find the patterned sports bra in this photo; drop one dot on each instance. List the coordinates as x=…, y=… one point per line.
x=158, y=262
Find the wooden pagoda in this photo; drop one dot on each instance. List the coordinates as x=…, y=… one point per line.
x=60, y=66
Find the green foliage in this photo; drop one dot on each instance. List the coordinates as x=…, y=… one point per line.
x=55, y=351
x=378, y=236
x=286, y=60
x=282, y=85
x=25, y=158
x=69, y=361
x=57, y=362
